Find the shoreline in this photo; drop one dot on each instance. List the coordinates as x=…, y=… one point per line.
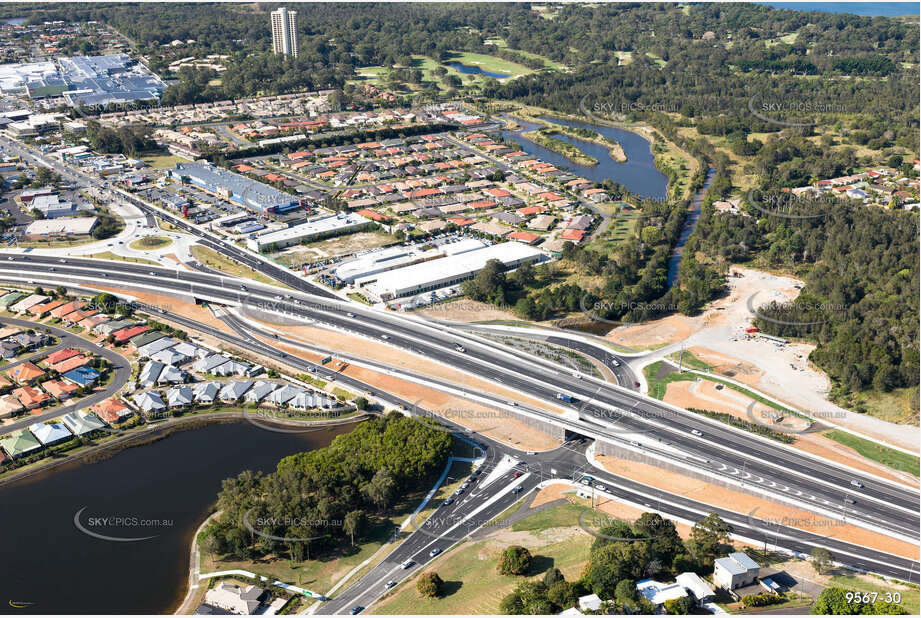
x=560, y=147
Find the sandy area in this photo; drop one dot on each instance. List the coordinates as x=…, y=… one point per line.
x=703, y=395
x=654, y=334
x=763, y=509
x=781, y=371
x=464, y=310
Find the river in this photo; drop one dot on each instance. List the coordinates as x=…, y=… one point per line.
x=690, y=223
x=49, y=563
x=638, y=174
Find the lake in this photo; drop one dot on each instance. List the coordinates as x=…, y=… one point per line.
x=867, y=9
x=638, y=174
x=467, y=70
x=60, y=570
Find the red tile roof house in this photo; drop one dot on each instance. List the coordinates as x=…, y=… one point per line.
x=372, y=214
x=524, y=237
x=72, y=363
x=66, y=308
x=42, y=309
x=59, y=356
x=127, y=333
x=59, y=389
x=575, y=236
x=461, y=221
x=529, y=210
x=31, y=398
x=26, y=373
x=112, y=410
x=481, y=204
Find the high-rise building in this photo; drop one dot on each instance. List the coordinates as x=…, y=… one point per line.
x=284, y=32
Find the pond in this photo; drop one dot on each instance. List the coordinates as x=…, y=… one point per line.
x=475, y=70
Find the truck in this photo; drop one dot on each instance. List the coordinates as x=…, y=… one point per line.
x=565, y=397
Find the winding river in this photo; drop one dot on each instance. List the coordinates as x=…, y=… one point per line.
x=690, y=223
x=54, y=568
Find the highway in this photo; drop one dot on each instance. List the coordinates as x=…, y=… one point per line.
x=721, y=450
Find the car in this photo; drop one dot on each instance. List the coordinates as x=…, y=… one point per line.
x=513, y=403
x=385, y=337
x=278, y=297
x=151, y=273
x=356, y=610
x=458, y=491
x=389, y=585
x=104, y=274
x=52, y=269
x=857, y=484
x=465, y=485
x=636, y=384
x=697, y=433
x=516, y=475
x=408, y=563
x=516, y=490
x=585, y=481
x=434, y=552
x=850, y=500
x=448, y=502
x=350, y=314
x=242, y=287
x=615, y=362
x=460, y=348
x=634, y=443
x=600, y=487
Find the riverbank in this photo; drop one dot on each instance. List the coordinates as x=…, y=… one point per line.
x=141, y=434
x=549, y=128
x=541, y=138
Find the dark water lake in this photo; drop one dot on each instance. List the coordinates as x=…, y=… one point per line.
x=474, y=70
x=164, y=489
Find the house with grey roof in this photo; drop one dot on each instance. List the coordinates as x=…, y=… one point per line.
x=232, y=391
x=210, y=363
x=232, y=368
x=172, y=375
x=206, y=392
x=51, y=433
x=170, y=356
x=309, y=401
x=259, y=391
x=149, y=402
x=150, y=373
x=191, y=350
x=179, y=396
x=283, y=395
x=156, y=345
x=736, y=570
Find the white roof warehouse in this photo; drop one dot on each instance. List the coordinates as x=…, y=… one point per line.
x=324, y=227
x=446, y=271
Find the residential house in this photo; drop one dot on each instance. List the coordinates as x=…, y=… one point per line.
x=169, y=356
x=206, y=392
x=590, y=603
x=26, y=373
x=149, y=402
x=158, y=345
x=284, y=394
x=59, y=356
x=259, y=391
x=736, y=570
x=29, y=301
x=171, y=375
x=210, y=363
x=179, y=396
x=112, y=410
x=697, y=587
x=658, y=593
x=145, y=338
x=232, y=391
x=59, y=389
x=83, y=423
x=30, y=341
x=74, y=362
x=234, y=599
x=9, y=349
x=10, y=406
x=19, y=444
x=51, y=433
x=232, y=368
x=30, y=397
x=150, y=373
x=82, y=376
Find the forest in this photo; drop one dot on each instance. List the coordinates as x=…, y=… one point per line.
x=318, y=501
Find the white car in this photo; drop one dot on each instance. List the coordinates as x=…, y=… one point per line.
x=385, y=336
x=697, y=433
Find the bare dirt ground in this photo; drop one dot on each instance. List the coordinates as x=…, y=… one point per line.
x=781, y=371
x=703, y=395
x=759, y=508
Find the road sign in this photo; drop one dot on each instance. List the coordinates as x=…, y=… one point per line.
x=326, y=360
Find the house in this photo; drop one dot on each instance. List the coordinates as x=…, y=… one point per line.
x=59, y=389
x=210, y=363
x=150, y=373
x=232, y=368
x=259, y=391
x=169, y=356
x=525, y=237
x=232, y=391
x=190, y=350
x=30, y=341
x=309, y=401
x=43, y=308
x=10, y=406
x=234, y=599
x=74, y=362
x=736, y=570
x=658, y=593
x=26, y=373
x=145, y=338
x=157, y=345
x=30, y=397
x=206, y=392
x=59, y=356
x=82, y=376
x=542, y=222
x=179, y=396
x=111, y=410
x=171, y=375
x=697, y=587
x=19, y=444
x=125, y=334
x=580, y=222
x=29, y=301
x=149, y=402
x=590, y=602
x=50, y=434
x=284, y=394
x=9, y=349
x=83, y=423
x=575, y=236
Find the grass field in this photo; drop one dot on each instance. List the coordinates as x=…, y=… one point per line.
x=896, y=460
x=475, y=587
x=150, y=243
x=162, y=161
x=909, y=593
x=492, y=64
x=108, y=255
x=215, y=260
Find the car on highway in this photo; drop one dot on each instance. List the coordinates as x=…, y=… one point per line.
x=385, y=337
x=564, y=397
x=350, y=314
x=636, y=384
x=615, y=362
x=465, y=485
x=356, y=610
x=585, y=481
x=407, y=563
x=448, y=502
x=857, y=484
x=389, y=585
x=459, y=348
x=434, y=552
x=697, y=433
x=634, y=443
x=516, y=475
x=850, y=500
x=600, y=487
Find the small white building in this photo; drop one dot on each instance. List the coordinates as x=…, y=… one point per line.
x=590, y=602
x=234, y=599
x=49, y=434
x=736, y=570
x=658, y=593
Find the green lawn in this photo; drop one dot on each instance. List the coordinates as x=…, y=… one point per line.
x=162, y=161
x=215, y=260
x=150, y=243
x=492, y=64
x=909, y=593
x=108, y=255
x=896, y=460
x=469, y=570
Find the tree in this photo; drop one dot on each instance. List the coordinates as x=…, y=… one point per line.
x=708, y=536
x=833, y=601
x=678, y=606
x=515, y=560
x=360, y=403
x=625, y=590
x=430, y=585
x=209, y=545
x=563, y=594
x=381, y=489
x=821, y=559
x=552, y=576
x=353, y=524
x=511, y=604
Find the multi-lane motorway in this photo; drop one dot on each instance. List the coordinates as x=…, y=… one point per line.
x=615, y=414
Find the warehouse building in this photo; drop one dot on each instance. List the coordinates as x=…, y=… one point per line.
x=324, y=227
x=234, y=187
x=447, y=271
x=389, y=258
x=65, y=226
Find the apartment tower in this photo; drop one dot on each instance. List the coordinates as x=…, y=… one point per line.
x=284, y=32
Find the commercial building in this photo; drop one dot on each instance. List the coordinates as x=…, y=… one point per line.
x=67, y=226
x=323, y=227
x=234, y=187
x=389, y=258
x=446, y=271
x=284, y=32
